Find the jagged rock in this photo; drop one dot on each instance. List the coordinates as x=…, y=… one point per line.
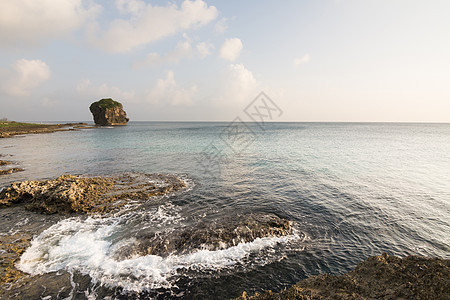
x=11, y=248
x=4, y=162
x=71, y=194
x=379, y=277
x=108, y=112
x=211, y=235
x=10, y=171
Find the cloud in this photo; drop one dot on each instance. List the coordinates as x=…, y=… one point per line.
x=85, y=87
x=221, y=25
x=238, y=85
x=27, y=22
x=24, y=76
x=167, y=90
x=147, y=23
x=204, y=49
x=231, y=49
x=301, y=61
x=183, y=50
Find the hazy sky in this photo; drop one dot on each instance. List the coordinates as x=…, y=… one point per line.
x=207, y=60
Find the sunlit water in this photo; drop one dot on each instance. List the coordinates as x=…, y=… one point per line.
x=351, y=190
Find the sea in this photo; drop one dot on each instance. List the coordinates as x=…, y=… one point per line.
x=351, y=191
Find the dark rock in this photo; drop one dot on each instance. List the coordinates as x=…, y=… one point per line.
x=108, y=112
x=379, y=277
x=10, y=171
x=211, y=235
x=4, y=162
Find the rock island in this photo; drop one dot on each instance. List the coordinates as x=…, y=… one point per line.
x=107, y=112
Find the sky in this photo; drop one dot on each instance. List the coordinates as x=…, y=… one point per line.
x=200, y=60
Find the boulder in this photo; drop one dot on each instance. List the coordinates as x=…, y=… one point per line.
x=212, y=235
x=107, y=112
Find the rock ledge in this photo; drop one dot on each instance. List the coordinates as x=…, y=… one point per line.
x=77, y=194
x=379, y=277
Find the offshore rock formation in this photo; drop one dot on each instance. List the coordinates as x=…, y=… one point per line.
x=211, y=235
x=77, y=194
x=379, y=277
x=108, y=112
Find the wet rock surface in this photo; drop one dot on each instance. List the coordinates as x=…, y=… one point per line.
x=4, y=162
x=11, y=170
x=108, y=112
x=379, y=277
x=4, y=171
x=11, y=248
x=54, y=285
x=79, y=194
x=211, y=235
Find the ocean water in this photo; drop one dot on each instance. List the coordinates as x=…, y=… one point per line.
x=351, y=190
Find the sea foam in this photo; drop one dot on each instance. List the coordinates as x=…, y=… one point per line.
x=89, y=246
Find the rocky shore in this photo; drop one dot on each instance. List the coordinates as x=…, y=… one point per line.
x=69, y=194
x=79, y=194
x=379, y=277
x=10, y=129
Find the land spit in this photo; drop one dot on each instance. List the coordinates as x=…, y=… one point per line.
x=10, y=129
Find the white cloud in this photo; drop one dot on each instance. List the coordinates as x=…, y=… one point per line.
x=167, y=90
x=231, y=49
x=85, y=87
x=221, y=25
x=239, y=85
x=24, y=76
x=183, y=50
x=204, y=49
x=28, y=22
x=301, y=61
x=147, y=23
x=134, y=7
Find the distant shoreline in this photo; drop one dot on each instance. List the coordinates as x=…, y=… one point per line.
x=10, y=129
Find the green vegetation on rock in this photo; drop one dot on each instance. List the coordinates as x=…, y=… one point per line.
x=107, y=112
x=107, y=103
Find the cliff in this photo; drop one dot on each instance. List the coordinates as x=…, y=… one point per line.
x=108, y=112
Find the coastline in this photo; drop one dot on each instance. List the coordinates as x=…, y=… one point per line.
x=14, y=128
x=379, y=277
x=10, y=129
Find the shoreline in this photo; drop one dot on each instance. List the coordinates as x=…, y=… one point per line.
x=11, y=129
x=378, y=277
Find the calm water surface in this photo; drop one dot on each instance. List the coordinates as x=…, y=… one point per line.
x=351, y=191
